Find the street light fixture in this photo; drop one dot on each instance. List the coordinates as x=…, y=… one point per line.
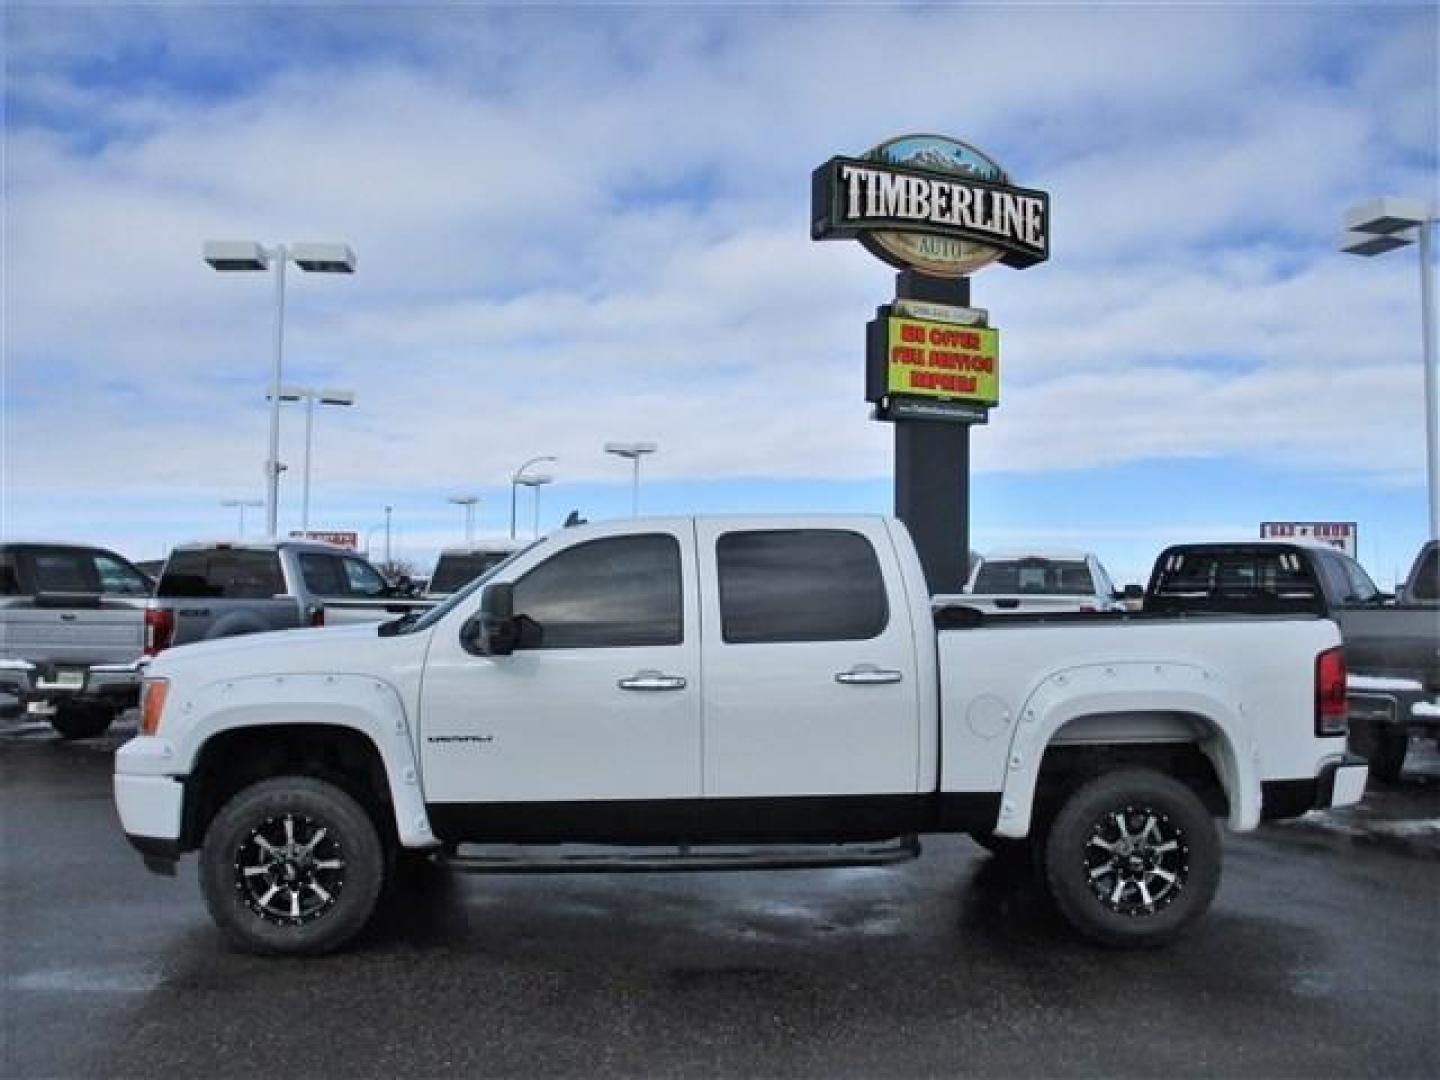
x=535, y=481
x=1382, y=225
x=634, y=451
x=517, y=477
x=246, y=255
x=241, y=504
x=469, y=502
x=310, y=396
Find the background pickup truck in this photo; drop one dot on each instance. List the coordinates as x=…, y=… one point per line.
x=71, y=622
x=694, y=685
x=1392, y=648
x=1035, y=582
x=216, y=590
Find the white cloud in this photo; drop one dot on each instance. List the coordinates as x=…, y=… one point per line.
x=575, y=226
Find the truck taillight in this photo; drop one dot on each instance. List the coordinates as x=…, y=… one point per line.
x=159, y=630
x=1331, y=711
x=317, y=616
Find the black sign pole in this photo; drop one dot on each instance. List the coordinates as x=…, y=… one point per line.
x=932, y=464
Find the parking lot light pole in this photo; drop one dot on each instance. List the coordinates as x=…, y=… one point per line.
x=310, y=396
x=388, y=511
x=241, y=504
x=634, y=451
x=517, y=478
x=535, y=481
x=369, y=536
x=1382, y=225
x=468, y=502
x=323, y=258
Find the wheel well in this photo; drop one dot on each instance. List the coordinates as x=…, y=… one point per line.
x=233, y=760
x=1065, y=767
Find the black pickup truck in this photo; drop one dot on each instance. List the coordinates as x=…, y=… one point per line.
x=1392, y=645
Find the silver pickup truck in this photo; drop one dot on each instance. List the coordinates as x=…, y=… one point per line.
x=221, y=589
x=71, y=624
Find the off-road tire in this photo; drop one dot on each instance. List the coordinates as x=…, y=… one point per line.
x=82, y=721
x=1132, y=859
x=309, y=841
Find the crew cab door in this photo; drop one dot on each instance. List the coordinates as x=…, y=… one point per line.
x=811, y=687
x=598, y=704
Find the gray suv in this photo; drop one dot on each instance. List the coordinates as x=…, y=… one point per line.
x=71, y=631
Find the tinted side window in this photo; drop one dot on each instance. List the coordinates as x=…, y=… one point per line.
x=799, y=585
x=364, y=580
x=622, y=590
x=222, y=575
x=117, y=578
x=323, y=575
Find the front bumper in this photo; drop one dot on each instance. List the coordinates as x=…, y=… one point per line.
x=151, y=804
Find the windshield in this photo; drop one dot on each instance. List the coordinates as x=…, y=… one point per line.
x=1035, y=576
x=440, y=610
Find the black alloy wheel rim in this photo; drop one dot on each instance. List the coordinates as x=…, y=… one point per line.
x=290, y=869
x=1137, y=860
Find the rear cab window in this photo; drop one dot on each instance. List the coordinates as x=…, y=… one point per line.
x=1034, y=576
x=1234, y=578
x=455, y=571
x=222, y=574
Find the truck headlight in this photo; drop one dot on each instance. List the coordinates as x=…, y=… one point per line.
x=152, y=704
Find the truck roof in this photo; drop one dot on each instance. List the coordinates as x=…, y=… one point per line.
x=1037, y=553
x=266, y=545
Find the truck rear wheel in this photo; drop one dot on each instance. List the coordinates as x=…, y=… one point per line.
x=1132, y=859
x=291, y=865
x=81, y=721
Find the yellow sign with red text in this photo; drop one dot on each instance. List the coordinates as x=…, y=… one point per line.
x=943, y=360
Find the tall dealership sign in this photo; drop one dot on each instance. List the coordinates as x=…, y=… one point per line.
x=938, y=210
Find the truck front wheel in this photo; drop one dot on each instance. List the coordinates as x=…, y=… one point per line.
x=291, y=865
x=1132, y=859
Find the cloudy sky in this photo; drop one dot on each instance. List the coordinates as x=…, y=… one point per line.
x=586, y=223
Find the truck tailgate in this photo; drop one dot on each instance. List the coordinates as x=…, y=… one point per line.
x=112, y=633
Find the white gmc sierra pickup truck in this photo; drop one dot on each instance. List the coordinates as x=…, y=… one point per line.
x=727, y=693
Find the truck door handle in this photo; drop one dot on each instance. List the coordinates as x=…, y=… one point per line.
x=652, y=680
x=867, y=675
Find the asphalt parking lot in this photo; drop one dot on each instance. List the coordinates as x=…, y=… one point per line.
x=1320, y=958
